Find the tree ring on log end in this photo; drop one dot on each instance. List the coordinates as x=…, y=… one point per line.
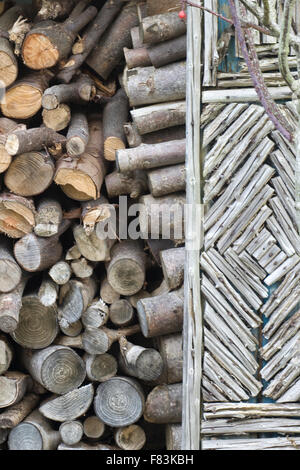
x=21, y=102
x=25, y=436
x=8, y=69
x=39, y=52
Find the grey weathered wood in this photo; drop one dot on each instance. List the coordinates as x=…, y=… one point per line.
x=173, y=436
x=121, y=312
x=271, y=443
x=76, y=296
x=172, y=262
x=6, y=354
x=99, y=340
x=143, y=363
x=164, y=404
x=60, y=273
x=15, y=414
x=10, y=305
x=170, y=348
x=100, y=367
x=167, y=180
x=96, y=315
x=71, y=432
x=159, y=116
x=131, y=437
x=13, y=386
x=159, y=28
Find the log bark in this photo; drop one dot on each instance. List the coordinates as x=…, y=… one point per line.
x=69, y=406
x=23, y=99
x=58, y=368
x=79, y=92
x=137, y=57
x=10, y=272
x=167, y=180
x=57, y=119
x=93, y=427
x=10, y=305
x=24, y=141
x=13, y=386
x=53, y=9
x=115, y=115
x=159, y=116
x=146, y=157
x=92, y=247
x=30, y=174
x=6, y=354
x=15, y=414
x=134, y=139
x=121, y=313
x=78, y=134
x=161, y=315
x=48, y=217
x=81, y=178
x=71, y=432
x=119, y=402
x=48, y=42
x=143, y=363
x=155, y=247
x=89, y=40
x=96, y=315
x=160, y=28
x=171, y=351
x=76, y=296
x=36, y=253
x=109, y=52
x=164, y=404
x=131, y=437
x=100, y=367
x=107, y=293
x=34, y=433
x=172, y=262
x=37, y=325
x=17, y=215
x=126, y=270
x=6, y=126
x=60, y=273
x=117, y=184
x=99, y=340
x=148, y=85
x=173, y=436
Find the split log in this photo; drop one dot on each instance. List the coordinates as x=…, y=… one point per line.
x=100, y=367
x=48, y=218
x=53, y=9
x=78, y=134
x=96, y=315
x=148, y=85
x=159, y=28
x=163, y=217
x=121, y=313
x=159, y=116
x=10, y=272
x=119, y=401
x=30, y=174
x=109, y=52
x=24, y=141
x=13, y=386
x=79, y=92
x=57, y=119
x=76, y=296
x=81, y=268
x=59, y=369
x=146, y=157
x=99, y=340
x=34, y=433
x=81, y=178
x=68, y=406
x=167, y=180
x=118, y=184
x=37, y=326
x=10, y=305
x=48, y=292
x=115, y=115
x=15, y=414
x=48, y=42
x=71, y=432
x=131, y=437
x=171, y=351
x=161, y=315
x=164, y=404
x=89, y=40
x=6, y=126
x=93, y=427
x=92, y=247
x=173, y=436
x=36, y=253
x=107, y=293
x=60, y=273
x=172, y=263
x=143, y=363
x=8, y=61
x=126, y=270
x=6, y=354
x=24, y=98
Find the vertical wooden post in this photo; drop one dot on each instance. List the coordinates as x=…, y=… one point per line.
x=192, y=369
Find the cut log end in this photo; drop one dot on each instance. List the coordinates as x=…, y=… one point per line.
x=111, y=145
x=21, y=102
x=75, y=146
x=58, y=118
x=76, y=184
x=39, y=52
x=8, y=69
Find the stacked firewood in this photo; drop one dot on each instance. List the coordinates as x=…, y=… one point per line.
x=91, y=327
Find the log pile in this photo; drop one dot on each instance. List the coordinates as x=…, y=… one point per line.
x=91, y=326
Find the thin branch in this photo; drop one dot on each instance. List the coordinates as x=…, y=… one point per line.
x=254, y=9
x=284, y=42
x=250, y=56
x=269, y=12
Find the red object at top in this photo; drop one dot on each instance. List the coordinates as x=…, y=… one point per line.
x=182, y=14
